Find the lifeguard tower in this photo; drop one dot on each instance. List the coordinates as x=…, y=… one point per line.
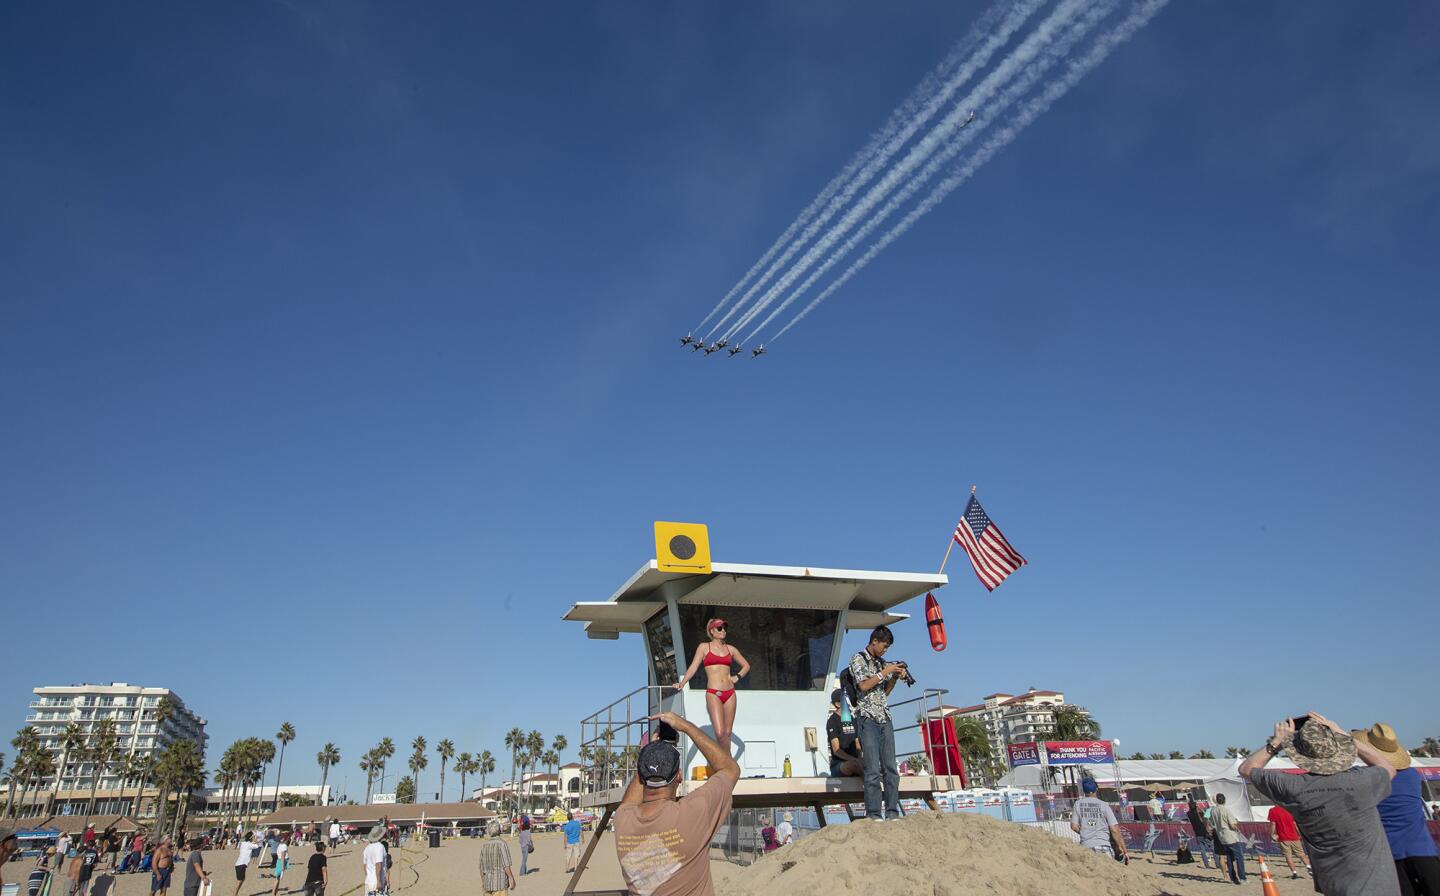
x=789, y=622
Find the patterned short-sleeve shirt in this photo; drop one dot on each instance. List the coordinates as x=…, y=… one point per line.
x=873, y=703
x=494, y=859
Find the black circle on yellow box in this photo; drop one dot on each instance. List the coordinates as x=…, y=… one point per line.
x=681, y=547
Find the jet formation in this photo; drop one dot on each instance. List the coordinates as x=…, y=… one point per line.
x=698, y=345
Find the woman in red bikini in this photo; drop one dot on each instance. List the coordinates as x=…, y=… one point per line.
x=716, y=656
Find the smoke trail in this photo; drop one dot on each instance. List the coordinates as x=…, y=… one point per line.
x=902, y=125
x=1029, y=112
x=898, y=118
x=1033, y=45
x=1013, y=91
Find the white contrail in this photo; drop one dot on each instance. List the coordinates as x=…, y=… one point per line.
x=1033, y=44
x=907, y=121
x=1013, y=92
x=1028, y=113
x=899, y=118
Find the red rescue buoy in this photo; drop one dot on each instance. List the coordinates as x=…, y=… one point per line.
x=935, y=622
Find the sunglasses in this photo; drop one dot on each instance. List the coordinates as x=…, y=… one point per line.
x=717, y=628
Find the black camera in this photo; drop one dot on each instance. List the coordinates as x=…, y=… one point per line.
x=905, y=675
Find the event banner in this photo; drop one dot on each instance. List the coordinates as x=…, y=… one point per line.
x=1079, y=752
x=1024, y=754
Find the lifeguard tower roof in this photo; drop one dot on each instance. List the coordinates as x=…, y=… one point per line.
x=866, y=595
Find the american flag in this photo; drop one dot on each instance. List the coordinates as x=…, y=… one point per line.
x=990, y=553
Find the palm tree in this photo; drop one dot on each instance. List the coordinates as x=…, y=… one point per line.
x=485, y=769
x=1203, y=754
x=551, y=759
x=462, y=765
x=418, y=761
x=101, y=754
x=285, y=735
x=558, y=745
x=71, y=741
x=384, y=751
x=587, y=759
x=38, y=766
x=184, y=767
x=164, y=711
x=25, y=741
x=329, y=755
x=535, y=744
x=369, y=764
x=264, y=754
x=1074, y=723
x=446, y=749
x=974, y=745
x=1431, y=746
x=514, y=740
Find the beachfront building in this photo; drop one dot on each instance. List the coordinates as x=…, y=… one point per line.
x=212, y=801
x=542, y=790
x=1012, y=718
x=53, y=711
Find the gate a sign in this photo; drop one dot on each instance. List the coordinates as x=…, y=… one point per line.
x=1079, y=752
x=1024, y=754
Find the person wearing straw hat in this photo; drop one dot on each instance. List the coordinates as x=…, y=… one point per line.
x=1402, y=814
x=1334, y=805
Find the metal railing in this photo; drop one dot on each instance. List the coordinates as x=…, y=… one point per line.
x=611, y=738
x=926, y=715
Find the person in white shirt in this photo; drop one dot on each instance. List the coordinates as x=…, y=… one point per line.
x=374, y=860
x=248, y=845
x=334, y=833
x=785, y=831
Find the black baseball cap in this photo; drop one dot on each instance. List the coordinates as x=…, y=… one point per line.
x=659, y=764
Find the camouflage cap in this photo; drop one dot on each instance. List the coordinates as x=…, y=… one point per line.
x=1320, y=750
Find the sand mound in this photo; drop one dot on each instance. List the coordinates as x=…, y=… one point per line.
x=940, y=855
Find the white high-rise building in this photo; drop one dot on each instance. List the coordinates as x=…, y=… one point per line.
x=133, y=709
x=1013, y=719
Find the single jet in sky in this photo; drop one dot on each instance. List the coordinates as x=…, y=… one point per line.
x=758, y=352
x=712, y=349
x=736, y=349
x=689, y=338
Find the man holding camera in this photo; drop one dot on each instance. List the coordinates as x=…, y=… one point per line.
x=662, y=841
x=875, y=679
x=1334, y=804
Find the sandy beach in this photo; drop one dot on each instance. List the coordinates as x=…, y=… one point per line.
x=949, y=854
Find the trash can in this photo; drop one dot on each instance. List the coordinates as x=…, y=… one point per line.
x=434, y=837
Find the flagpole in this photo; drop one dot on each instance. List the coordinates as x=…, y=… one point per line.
x=951, y=546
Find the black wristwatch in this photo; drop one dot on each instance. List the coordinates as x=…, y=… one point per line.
x=1272, y=748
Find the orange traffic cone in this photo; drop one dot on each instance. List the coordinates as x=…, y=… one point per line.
x=1267, y=883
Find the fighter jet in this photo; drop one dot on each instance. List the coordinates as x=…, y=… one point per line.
x=970, y=119
x=758, y=352
x=721, y=344
x=712, y=349
x=689, y=338
x=696, y=345
x=736, y=349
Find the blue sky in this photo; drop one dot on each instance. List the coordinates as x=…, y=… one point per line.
x=337, y=357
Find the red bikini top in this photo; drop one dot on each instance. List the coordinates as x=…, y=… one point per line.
x=715, y=659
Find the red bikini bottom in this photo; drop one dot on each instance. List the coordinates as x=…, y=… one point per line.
x=723, y=695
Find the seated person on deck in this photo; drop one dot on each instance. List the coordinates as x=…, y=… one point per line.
x=844, y=744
